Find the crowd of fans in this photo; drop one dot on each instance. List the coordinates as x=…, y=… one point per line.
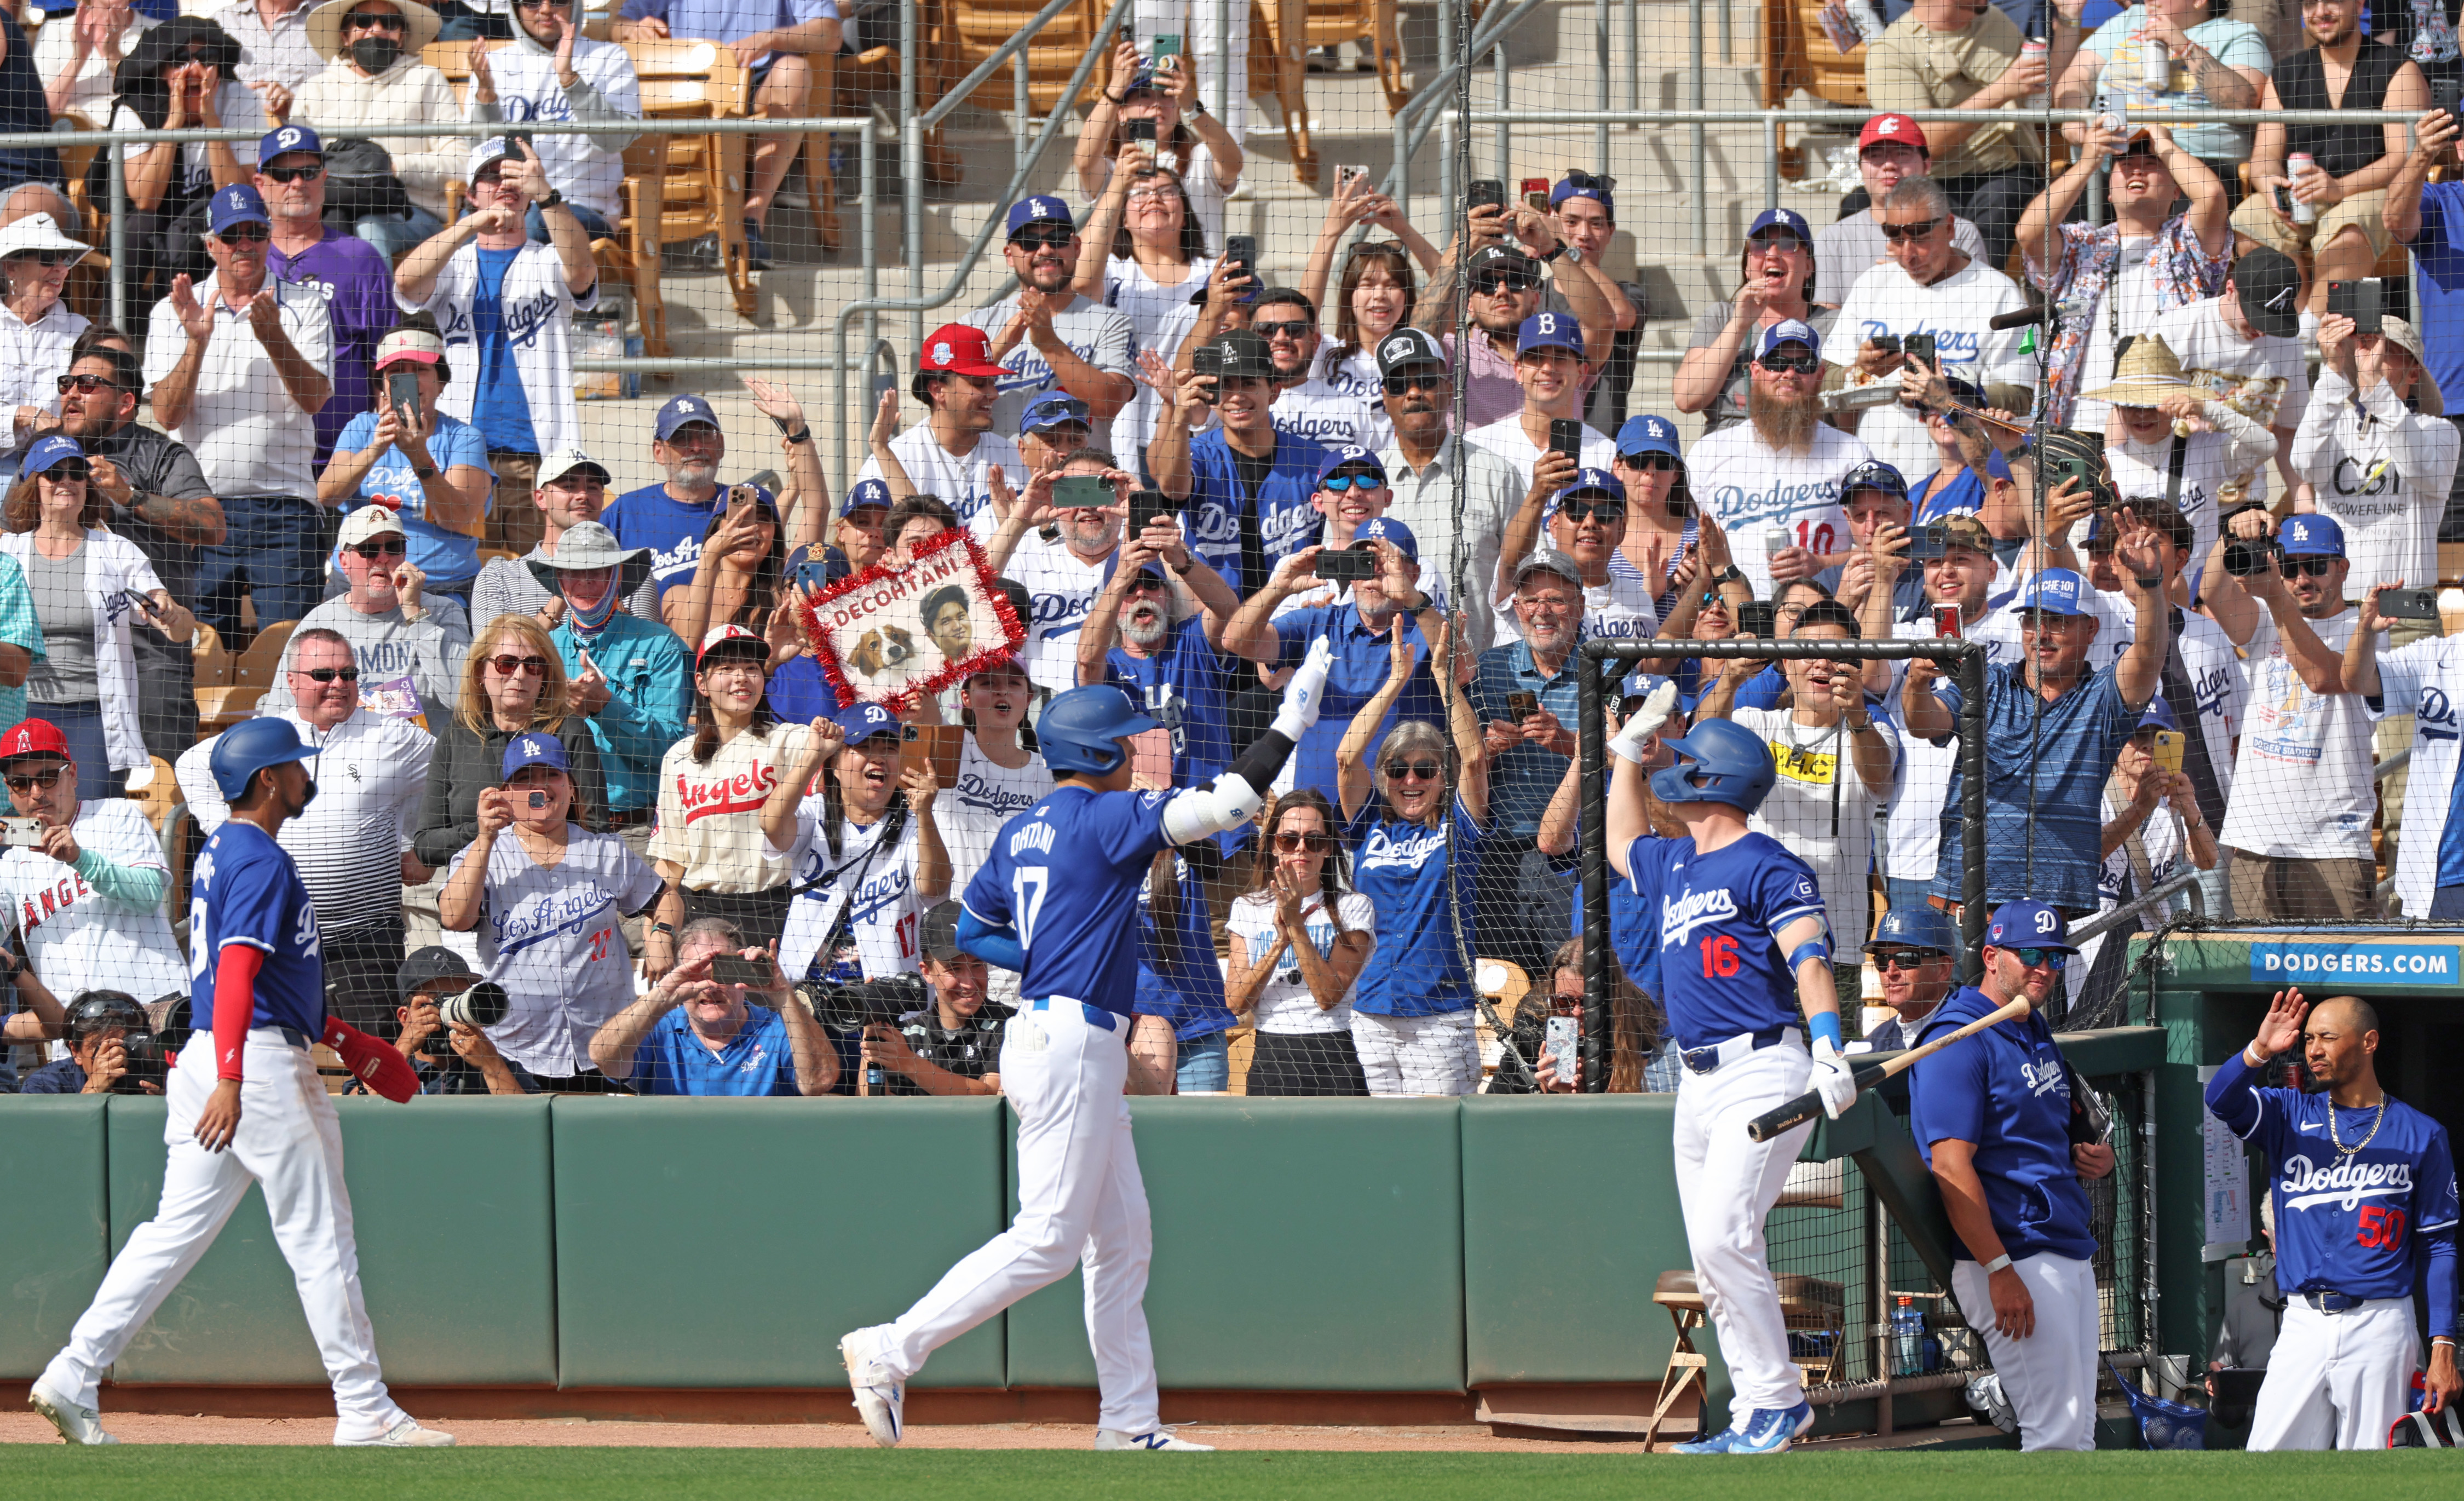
x=599, y=769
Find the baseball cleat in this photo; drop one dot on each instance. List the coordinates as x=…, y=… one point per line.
x=406, y=1434
x=1987, y=1400
x=1717, y=1443
x=76, y=1424
x=1106, y=1439
x=1770, y=1430
x=880, y=1398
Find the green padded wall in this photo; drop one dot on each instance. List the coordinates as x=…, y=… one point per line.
x=54, y=1238
x=1302, y=1246
x=451, y=1207
x=730, y=1243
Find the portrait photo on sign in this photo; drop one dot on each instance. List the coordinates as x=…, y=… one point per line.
x=889, y=635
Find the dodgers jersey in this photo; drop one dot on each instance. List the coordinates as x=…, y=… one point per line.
x=2006, y=1092
x=247, y=891
x=1721, y=968
x=2347, y=1221
x=1066, y=874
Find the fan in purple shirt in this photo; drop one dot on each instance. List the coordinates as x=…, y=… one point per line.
x=358, y=283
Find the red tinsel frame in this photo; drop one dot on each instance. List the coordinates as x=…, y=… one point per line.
x=1014, y=631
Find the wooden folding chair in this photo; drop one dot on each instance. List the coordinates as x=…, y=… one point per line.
x=681, y=188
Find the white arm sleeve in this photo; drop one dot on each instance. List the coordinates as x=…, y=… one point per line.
x=1193, y=815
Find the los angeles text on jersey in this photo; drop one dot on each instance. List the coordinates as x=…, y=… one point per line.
x=2418, y=963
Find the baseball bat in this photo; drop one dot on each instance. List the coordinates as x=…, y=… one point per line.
x=1808, y=1105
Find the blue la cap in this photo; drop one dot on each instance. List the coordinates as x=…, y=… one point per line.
x=1873, y=474
x=1640, y=683
x=48, y=451
x=1592, y=482
x=1921, y=925
x=288, y=139
x=2057, y=591
x=1583, y=185
x=2029, y=925
x=1387, y=529
x=237, y=204
x=1648, y=434
x=683, y=411
x=1354, y=454
x=1788, y=219
x=1050, y=410
x=864, y=493
x=862, y=721
x=1042, y=208
x=1790, y=331
x=1550, y=331
x=536, y=748
x=2311, y=535
x=2159, y=715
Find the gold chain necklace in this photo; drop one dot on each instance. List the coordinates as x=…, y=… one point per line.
x=2338, y=1137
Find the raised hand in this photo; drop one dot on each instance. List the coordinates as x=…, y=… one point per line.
x=196, y=320
x=2280, y=1031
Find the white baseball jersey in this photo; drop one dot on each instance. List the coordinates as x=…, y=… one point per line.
x=962, y=479
x=76, y=938
x=879, y=883
x=549, y=935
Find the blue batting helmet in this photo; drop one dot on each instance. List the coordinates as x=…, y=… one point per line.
x=247, y=749
x=1078, y=729
x=1720, y=762
x=1923, y=926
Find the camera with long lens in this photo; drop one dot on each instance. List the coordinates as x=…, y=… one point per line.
x=483, y=1005
x=147, y=1063
x=853, y=1005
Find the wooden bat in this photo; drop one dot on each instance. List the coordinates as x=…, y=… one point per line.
x=1805, y=1107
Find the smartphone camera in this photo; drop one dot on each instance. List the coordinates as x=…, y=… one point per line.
x=539, y=800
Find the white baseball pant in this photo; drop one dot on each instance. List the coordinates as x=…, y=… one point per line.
x=1726, y=1183
x=2050, y=1377
x=2338, y=1380
x=1080, y=1201
x=289, y=1143
x=1418, y=1055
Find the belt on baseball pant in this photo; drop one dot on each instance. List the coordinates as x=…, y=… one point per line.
x=1720, y=1054
x=1096, y=1015
x=289, y=1034
x=2333, y=1302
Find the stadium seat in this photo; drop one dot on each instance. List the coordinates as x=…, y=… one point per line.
x=219, y=708
x=1798, y=54
x=975, y=29
x=167, y=810
x=1279, y=71
x=1299, y=26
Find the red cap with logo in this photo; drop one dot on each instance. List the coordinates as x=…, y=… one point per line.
x=33, y=738
x=1891, y=130
x=958, y=349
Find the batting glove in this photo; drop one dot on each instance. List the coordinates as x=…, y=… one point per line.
x=1831, y=1079
x=376, y=1064
x=1646, y=723
x=1306, y=694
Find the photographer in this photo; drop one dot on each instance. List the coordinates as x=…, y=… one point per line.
x=456, y=1059
x=694, y=1034
x=100, y=1024
x=952, y=1047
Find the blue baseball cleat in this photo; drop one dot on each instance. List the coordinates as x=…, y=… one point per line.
x=1717, y=1443
x=1770, y=1430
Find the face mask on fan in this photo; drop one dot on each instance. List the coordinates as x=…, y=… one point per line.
x=376, y=54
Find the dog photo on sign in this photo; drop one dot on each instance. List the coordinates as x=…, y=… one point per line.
x=890, y=637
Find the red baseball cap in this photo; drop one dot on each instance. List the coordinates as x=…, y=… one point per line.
x=716, y=637
x=33, y=738
x=1892, y=130
x=958, y=349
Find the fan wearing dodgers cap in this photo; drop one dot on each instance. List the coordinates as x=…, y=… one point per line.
x=1780, y=469
x=1508, y=248
x=2363, y=1189
x=1550, y=368
x=357, y=276
x=239, y=377
x=673, y=519
x=953, y=451
x=1775, y=283
x=1889, y=148
x=2008, y=1129
x=1463, y=530
x=1586, y=524
x=1045, y=336
x=1582, y=208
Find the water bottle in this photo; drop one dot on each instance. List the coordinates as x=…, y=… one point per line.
x=1907, y=1339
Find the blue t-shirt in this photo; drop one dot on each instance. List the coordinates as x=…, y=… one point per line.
x=446, y=556
x=1184, y=687
x=757, y=1061
x=1963, y=494
x=1066, y=874
x=1421, y=881
x=1180, y=977
x=503, y=411
x=2440, y=257
x=2006, y=1090
x=2066, y=759
x=672, y=529
x=1721, y=969
x=1242, y=537
x=800, y=692
x=1361, y=659
x=2347, y=1221
x=247, y=891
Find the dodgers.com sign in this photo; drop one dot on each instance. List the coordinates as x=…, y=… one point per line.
x=2392, y=964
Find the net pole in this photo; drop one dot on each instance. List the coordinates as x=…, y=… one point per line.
x=1591, y=746
x=1971, y=812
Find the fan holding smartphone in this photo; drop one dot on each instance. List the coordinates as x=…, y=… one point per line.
x=1167, y=93
x=425, y=465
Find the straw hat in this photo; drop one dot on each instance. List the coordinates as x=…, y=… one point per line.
x=2145, y=376
x=420, y=26
x=2401, y=334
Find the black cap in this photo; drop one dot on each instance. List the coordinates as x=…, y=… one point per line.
x=938, y=935
x=1502, y=257
x=1245, y=356
x=426, y=968
x=2269, y=285
x=1409, y=348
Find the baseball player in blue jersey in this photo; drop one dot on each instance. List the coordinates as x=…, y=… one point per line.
x=247, y=1105
x=2009, y=1132
x=1057, y=901
x=1744, y=943
x=2364, y=1196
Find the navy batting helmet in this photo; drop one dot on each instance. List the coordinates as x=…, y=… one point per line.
x=1923, y=926
x=1079, y=729
x=247, y=749
x=1721, y=762
x=100, y=1010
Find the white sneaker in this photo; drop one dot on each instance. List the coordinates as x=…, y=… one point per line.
x=406, y=1434
x=76, y=1424
x=880, y=1398
x=1160, y=1439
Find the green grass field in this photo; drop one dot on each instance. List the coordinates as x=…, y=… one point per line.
x=620, y=1474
